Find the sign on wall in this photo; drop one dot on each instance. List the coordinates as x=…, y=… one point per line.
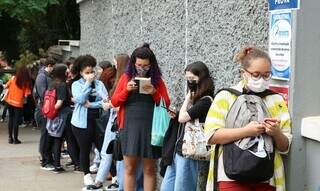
x=280, y=44
x=284, y=4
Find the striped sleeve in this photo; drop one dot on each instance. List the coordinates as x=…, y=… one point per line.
x=218, y=112
x=279, y=110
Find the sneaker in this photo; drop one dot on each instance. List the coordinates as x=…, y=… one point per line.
x=68, y=164
x=95, y=187
x=77, y=169
x=94, y=168
x=23, y=125
x=64, y=155
x=16, y=141
x=58, y=170
x=48, y=167
x=112, y=187
x=87, y=180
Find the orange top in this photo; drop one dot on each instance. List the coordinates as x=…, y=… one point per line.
x=15, y=96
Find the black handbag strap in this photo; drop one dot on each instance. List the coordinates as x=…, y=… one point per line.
x=215, y=168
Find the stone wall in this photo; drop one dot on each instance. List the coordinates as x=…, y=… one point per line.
x=180, y=32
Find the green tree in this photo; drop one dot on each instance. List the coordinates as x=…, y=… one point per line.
x=24, y=10
x=42, y=22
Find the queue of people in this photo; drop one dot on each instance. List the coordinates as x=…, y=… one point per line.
x=231, y=141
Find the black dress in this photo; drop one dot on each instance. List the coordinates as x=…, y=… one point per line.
x=136, y=135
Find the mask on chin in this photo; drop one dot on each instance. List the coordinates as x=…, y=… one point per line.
x=257, y=86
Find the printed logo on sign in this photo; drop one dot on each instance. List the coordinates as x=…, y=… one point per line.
x=281, y=27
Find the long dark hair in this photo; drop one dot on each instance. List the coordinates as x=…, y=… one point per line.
x=205, y=83
x=23, y=77
x=144, y=52
x=122, y=64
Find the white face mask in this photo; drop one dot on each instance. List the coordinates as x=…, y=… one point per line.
x=257, y=85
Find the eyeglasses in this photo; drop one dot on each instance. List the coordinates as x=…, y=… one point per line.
x=145, y=67
x=258, y=75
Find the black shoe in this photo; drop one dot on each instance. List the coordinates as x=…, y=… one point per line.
x=58, y=170
x=77, y=169
x=113, y=186
x=16, y=141
x=94, y=187
x=10, y=141
x=69, y=164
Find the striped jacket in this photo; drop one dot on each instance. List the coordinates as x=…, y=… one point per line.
x=216, y=119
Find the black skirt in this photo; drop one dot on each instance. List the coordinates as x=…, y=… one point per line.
x=136, y=135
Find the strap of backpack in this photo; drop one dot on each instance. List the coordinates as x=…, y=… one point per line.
x=263, y=94
x=231, y=90
x=215, y=168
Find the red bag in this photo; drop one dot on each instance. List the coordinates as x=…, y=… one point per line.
x=49, y=101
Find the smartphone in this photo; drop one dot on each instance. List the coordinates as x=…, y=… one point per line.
x=137, y=83
x=169, y=110
x=271, y=120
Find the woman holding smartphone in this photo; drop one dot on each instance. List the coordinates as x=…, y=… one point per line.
x=256, y=74
x=184, y=173
x=135, y=116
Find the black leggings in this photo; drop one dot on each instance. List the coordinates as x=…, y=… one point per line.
x=15, y=115
x=56, y=148
x=72, y=145
x=85, y=138
x=45, y=143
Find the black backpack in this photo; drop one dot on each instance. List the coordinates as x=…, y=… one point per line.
x=250, y=159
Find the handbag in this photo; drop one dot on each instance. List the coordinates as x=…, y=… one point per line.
x=114, y=148
x=101, y=122
x=160, y=124
x=194, y=141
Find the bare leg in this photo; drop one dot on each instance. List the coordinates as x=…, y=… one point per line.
x=131, y=164
x=149, y=174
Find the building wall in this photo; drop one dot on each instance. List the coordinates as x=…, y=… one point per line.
x=180, y=32
x=303, y=164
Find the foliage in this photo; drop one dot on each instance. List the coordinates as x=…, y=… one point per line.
x=24, y=10
x=41, y=24
x=26, y=58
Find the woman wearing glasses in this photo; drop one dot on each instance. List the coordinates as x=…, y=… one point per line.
x=256, y=74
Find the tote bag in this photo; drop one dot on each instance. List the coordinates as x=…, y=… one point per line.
x=160, y=124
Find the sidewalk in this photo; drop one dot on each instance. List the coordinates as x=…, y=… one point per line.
x=20, y=168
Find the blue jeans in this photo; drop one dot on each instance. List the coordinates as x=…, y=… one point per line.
x=181, y=175
x=106, y=159
x=120, y=175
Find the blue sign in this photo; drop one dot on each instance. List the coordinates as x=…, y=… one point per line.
x=283, y=4
x=280, y=44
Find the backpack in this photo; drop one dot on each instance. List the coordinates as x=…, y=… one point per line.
x=250, y=159
x=49, y=101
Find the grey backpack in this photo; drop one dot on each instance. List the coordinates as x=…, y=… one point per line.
x=250, y=159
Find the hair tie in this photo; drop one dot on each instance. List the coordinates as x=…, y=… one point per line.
x=249, y=50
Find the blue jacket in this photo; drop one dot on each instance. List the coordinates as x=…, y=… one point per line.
x=80, y=93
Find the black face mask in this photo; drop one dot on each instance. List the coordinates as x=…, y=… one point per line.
x=192, y=85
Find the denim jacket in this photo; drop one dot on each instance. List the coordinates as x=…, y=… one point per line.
x=80, y=92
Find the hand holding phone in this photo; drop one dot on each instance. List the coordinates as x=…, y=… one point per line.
x=271, y=120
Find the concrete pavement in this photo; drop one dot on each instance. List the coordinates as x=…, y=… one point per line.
x=20, y=167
